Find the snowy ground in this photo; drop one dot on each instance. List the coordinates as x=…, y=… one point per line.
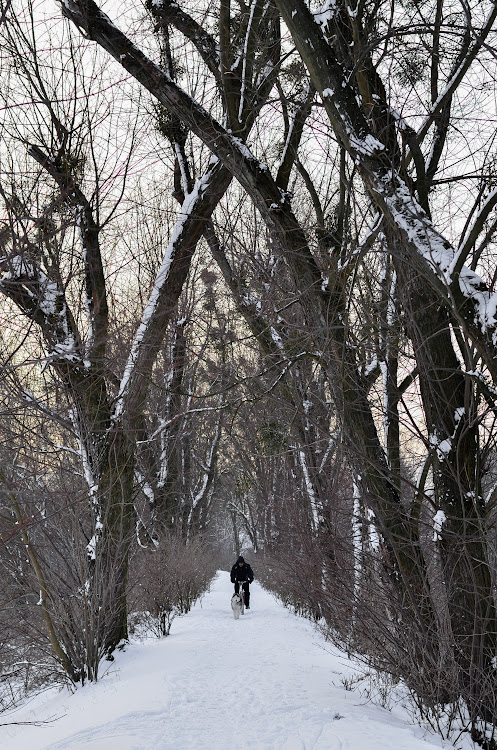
x=265, y=682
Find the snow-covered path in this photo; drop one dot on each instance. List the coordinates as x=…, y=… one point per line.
x=265, y=682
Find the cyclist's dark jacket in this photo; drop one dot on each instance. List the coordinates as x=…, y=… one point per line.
x=244, y=573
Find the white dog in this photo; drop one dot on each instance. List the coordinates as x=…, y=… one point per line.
x=236, y=605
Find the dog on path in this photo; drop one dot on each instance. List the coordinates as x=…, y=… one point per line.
x=236, y=605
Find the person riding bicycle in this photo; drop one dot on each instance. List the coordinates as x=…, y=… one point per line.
x=242, y=573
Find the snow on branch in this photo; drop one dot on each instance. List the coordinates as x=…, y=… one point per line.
x=433, y=256
x=41, y=300
x=96, y=298
x=311, y=493
x=165, y=292
x=440, y=257
x=429, y=252
x=324, y=15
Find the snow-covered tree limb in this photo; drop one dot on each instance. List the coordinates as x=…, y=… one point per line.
x=465, y=294
x=197, y=208
x=96, y=295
